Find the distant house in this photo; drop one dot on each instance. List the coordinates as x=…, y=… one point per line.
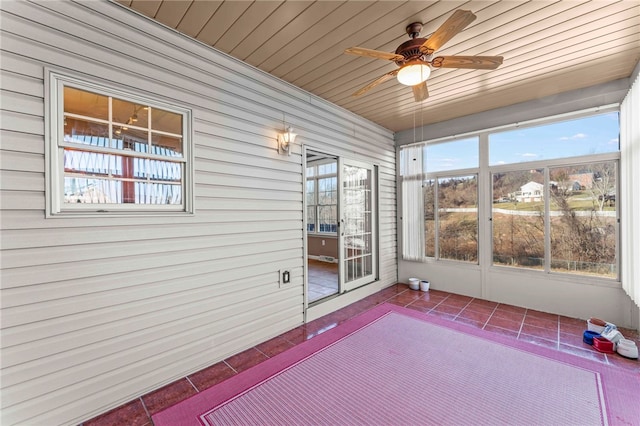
x=529, y=192
x=570, y=185
x=585, y=180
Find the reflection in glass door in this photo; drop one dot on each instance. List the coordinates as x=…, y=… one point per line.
x=357, y=242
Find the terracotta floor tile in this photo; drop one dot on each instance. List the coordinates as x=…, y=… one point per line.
x=501, y=331
x=552, y=344
x=442, y=315
x=245, y=360
x=320, y=325
x=543, y=315
x=545, y=333
x=439, y=293
x=447, y=309
x=572, y=325
x=168, y=396
x=469, y=321
x=483, y=303
x=428, y=296
x=626, y=363
x=405, y=298
x=424, y=304
x=418, y=308
x=274, y=346
x=584, y=353
x=457, y=301
x=510, y=308
x=210, y=376
x=505, y=323
x=511, y=316
x=541, y=322
x=467, y=313
x=131, y=414
x=573, y=339
x=479, y=308
x=296, y=335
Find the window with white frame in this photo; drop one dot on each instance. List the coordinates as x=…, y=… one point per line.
x=322, y=197
x=550, y=187
x=113, y=152
x=450, y=193
x=557, y=212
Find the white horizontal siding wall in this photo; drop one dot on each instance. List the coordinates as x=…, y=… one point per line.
x=97, y=311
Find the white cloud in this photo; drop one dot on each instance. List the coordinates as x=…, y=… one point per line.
x=576, y=136
x=613, y=141
x=529, y=154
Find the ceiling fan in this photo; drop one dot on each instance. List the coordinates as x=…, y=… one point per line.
x=415, y=57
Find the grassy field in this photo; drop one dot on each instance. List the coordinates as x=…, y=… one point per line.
x=577, y=202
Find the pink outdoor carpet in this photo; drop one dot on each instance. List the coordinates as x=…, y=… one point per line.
x=395, y=366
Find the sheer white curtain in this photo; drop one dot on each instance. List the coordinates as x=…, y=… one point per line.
x=630, y=192
x=412, y=202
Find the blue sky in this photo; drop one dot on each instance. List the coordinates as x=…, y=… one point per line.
x=589, y=135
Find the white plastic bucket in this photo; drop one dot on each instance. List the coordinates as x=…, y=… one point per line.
x=414, y=284
x=424, y=285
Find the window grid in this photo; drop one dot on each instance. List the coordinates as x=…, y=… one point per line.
x=103, y=163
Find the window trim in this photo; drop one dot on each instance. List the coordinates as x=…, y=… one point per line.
x=55, y=81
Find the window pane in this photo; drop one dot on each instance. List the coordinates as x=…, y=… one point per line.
x=91, y=163
x=454, y=155
x=166, y=121
x=130, y=113
x=518, y=219
x=327, y=219
x=327, y=193
x=583, y=219
x=311, y=199
x=92, y=191
x=86, y=103
x=130, y=139
x=430, y=217
x=458, y=218
x=311, y=219
x=166, y=145
x=157, y=193
x=86, y=132
x=589, y=135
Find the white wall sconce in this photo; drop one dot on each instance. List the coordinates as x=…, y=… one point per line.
x=285, y=140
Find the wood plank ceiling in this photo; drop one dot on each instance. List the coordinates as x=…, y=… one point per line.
x=549, y=47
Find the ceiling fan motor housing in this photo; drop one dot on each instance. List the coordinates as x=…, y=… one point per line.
x=410, y=50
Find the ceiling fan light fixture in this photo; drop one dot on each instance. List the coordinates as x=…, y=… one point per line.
x=413, y=73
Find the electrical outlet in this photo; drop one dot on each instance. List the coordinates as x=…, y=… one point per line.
x=284, y=277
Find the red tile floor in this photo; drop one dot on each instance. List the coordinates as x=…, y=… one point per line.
x=540, y=328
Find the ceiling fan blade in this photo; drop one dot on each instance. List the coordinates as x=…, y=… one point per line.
x=452, y=26
x=420, y=92
x=470, y=62
x=361, y=51
x=377, y=81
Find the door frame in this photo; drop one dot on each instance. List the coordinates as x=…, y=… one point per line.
x=326, y=305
